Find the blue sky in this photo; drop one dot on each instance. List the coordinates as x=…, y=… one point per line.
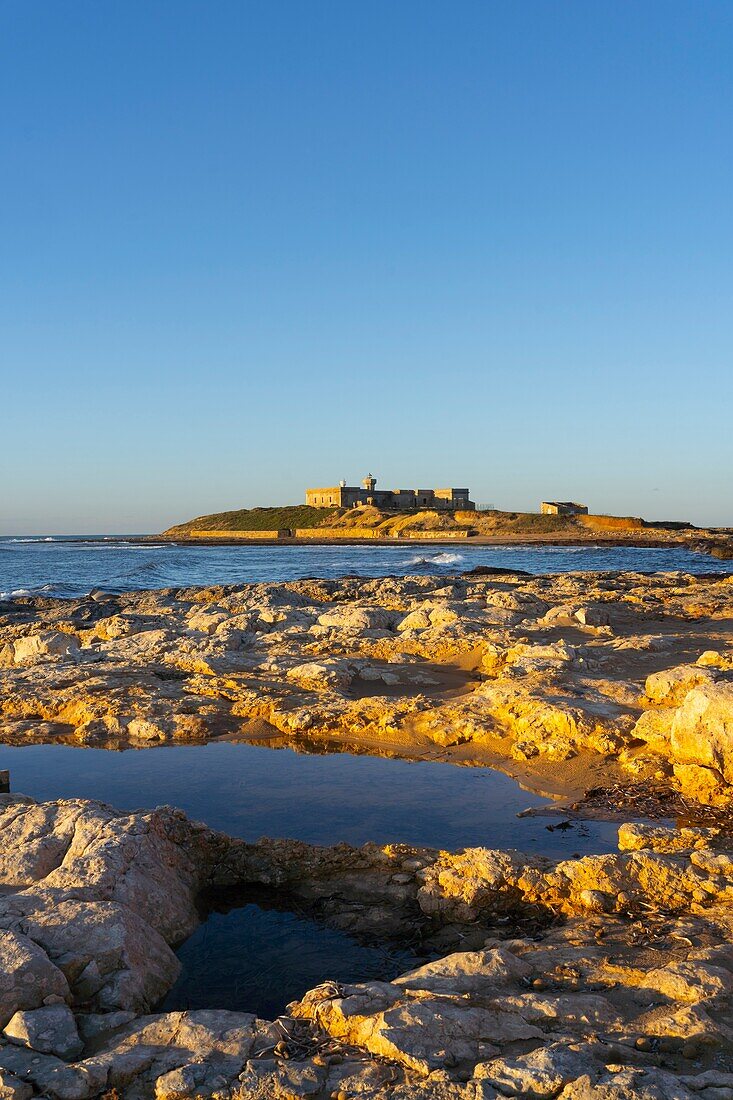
x=251, y=246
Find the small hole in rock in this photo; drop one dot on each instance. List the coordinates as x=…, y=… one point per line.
x=255, y=951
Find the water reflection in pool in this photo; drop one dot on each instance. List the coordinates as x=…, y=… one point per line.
x=254, y=956
x=251, y=791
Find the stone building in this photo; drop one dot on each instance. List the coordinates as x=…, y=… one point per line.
x=400, y=500
x=562, y=508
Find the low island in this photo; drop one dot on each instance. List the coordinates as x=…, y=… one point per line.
x=344, y=514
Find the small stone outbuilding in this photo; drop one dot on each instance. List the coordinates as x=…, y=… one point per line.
x=563, y=508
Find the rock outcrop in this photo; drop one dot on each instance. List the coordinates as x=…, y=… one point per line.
x=632, y=668
x=623, y=987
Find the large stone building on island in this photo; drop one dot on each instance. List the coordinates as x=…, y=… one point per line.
x=400, y=500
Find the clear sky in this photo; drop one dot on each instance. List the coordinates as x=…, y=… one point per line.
x=253, y=245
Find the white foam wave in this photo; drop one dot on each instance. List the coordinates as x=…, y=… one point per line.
x=37, y=538
x=36, y=590
x=443, y=558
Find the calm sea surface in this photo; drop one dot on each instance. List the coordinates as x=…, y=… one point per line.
x=70, y=567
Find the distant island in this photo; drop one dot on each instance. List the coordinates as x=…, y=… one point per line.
x=306, y=523
x=364, y=513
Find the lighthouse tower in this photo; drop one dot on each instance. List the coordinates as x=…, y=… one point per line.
x=369, y=482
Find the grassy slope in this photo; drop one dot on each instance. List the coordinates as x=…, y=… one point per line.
x=257, y=519
x=483, y=523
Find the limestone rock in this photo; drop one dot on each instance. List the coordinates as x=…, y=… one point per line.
x=468, y=971
x=136, y=965
x=620, y=1083
x=671, y=685
x=416, y=1033
x=538, y=1075
x=415, y=620
x=655, y=728
x=638, y=836
x=27, y=976
x=702, y=730
x=47, y=643
x=50, y=1030
x=356, y=620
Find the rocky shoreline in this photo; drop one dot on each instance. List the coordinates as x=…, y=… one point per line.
x=606, y=977
x=623, y=986
x=571, y=680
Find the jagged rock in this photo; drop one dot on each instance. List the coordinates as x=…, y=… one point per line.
x=702, y=730
x=671, y=685
x=52, y=1076
x=47, y=643
x=50, y=1030
x=357, y=620
x=638, y=836
x=538, y=1075
x=467, y=971
x=136, y=965
x=92, y=1025
x=627, y=1084
x=414, y=1032
x=27, y=976
x=12, y=1088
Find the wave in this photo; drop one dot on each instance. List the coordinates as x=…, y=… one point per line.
x=144, y=567
x=129, y=547
x=575, y=549
x=140, y=549
x=34, y=590
x=443, y=558
x=36, y=539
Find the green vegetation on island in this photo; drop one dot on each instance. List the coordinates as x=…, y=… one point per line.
x=257, y=519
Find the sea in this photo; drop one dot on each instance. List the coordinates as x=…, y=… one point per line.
x=53, y=565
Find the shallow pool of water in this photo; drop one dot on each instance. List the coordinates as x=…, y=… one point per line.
x=249, y=791
x=256, y=957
